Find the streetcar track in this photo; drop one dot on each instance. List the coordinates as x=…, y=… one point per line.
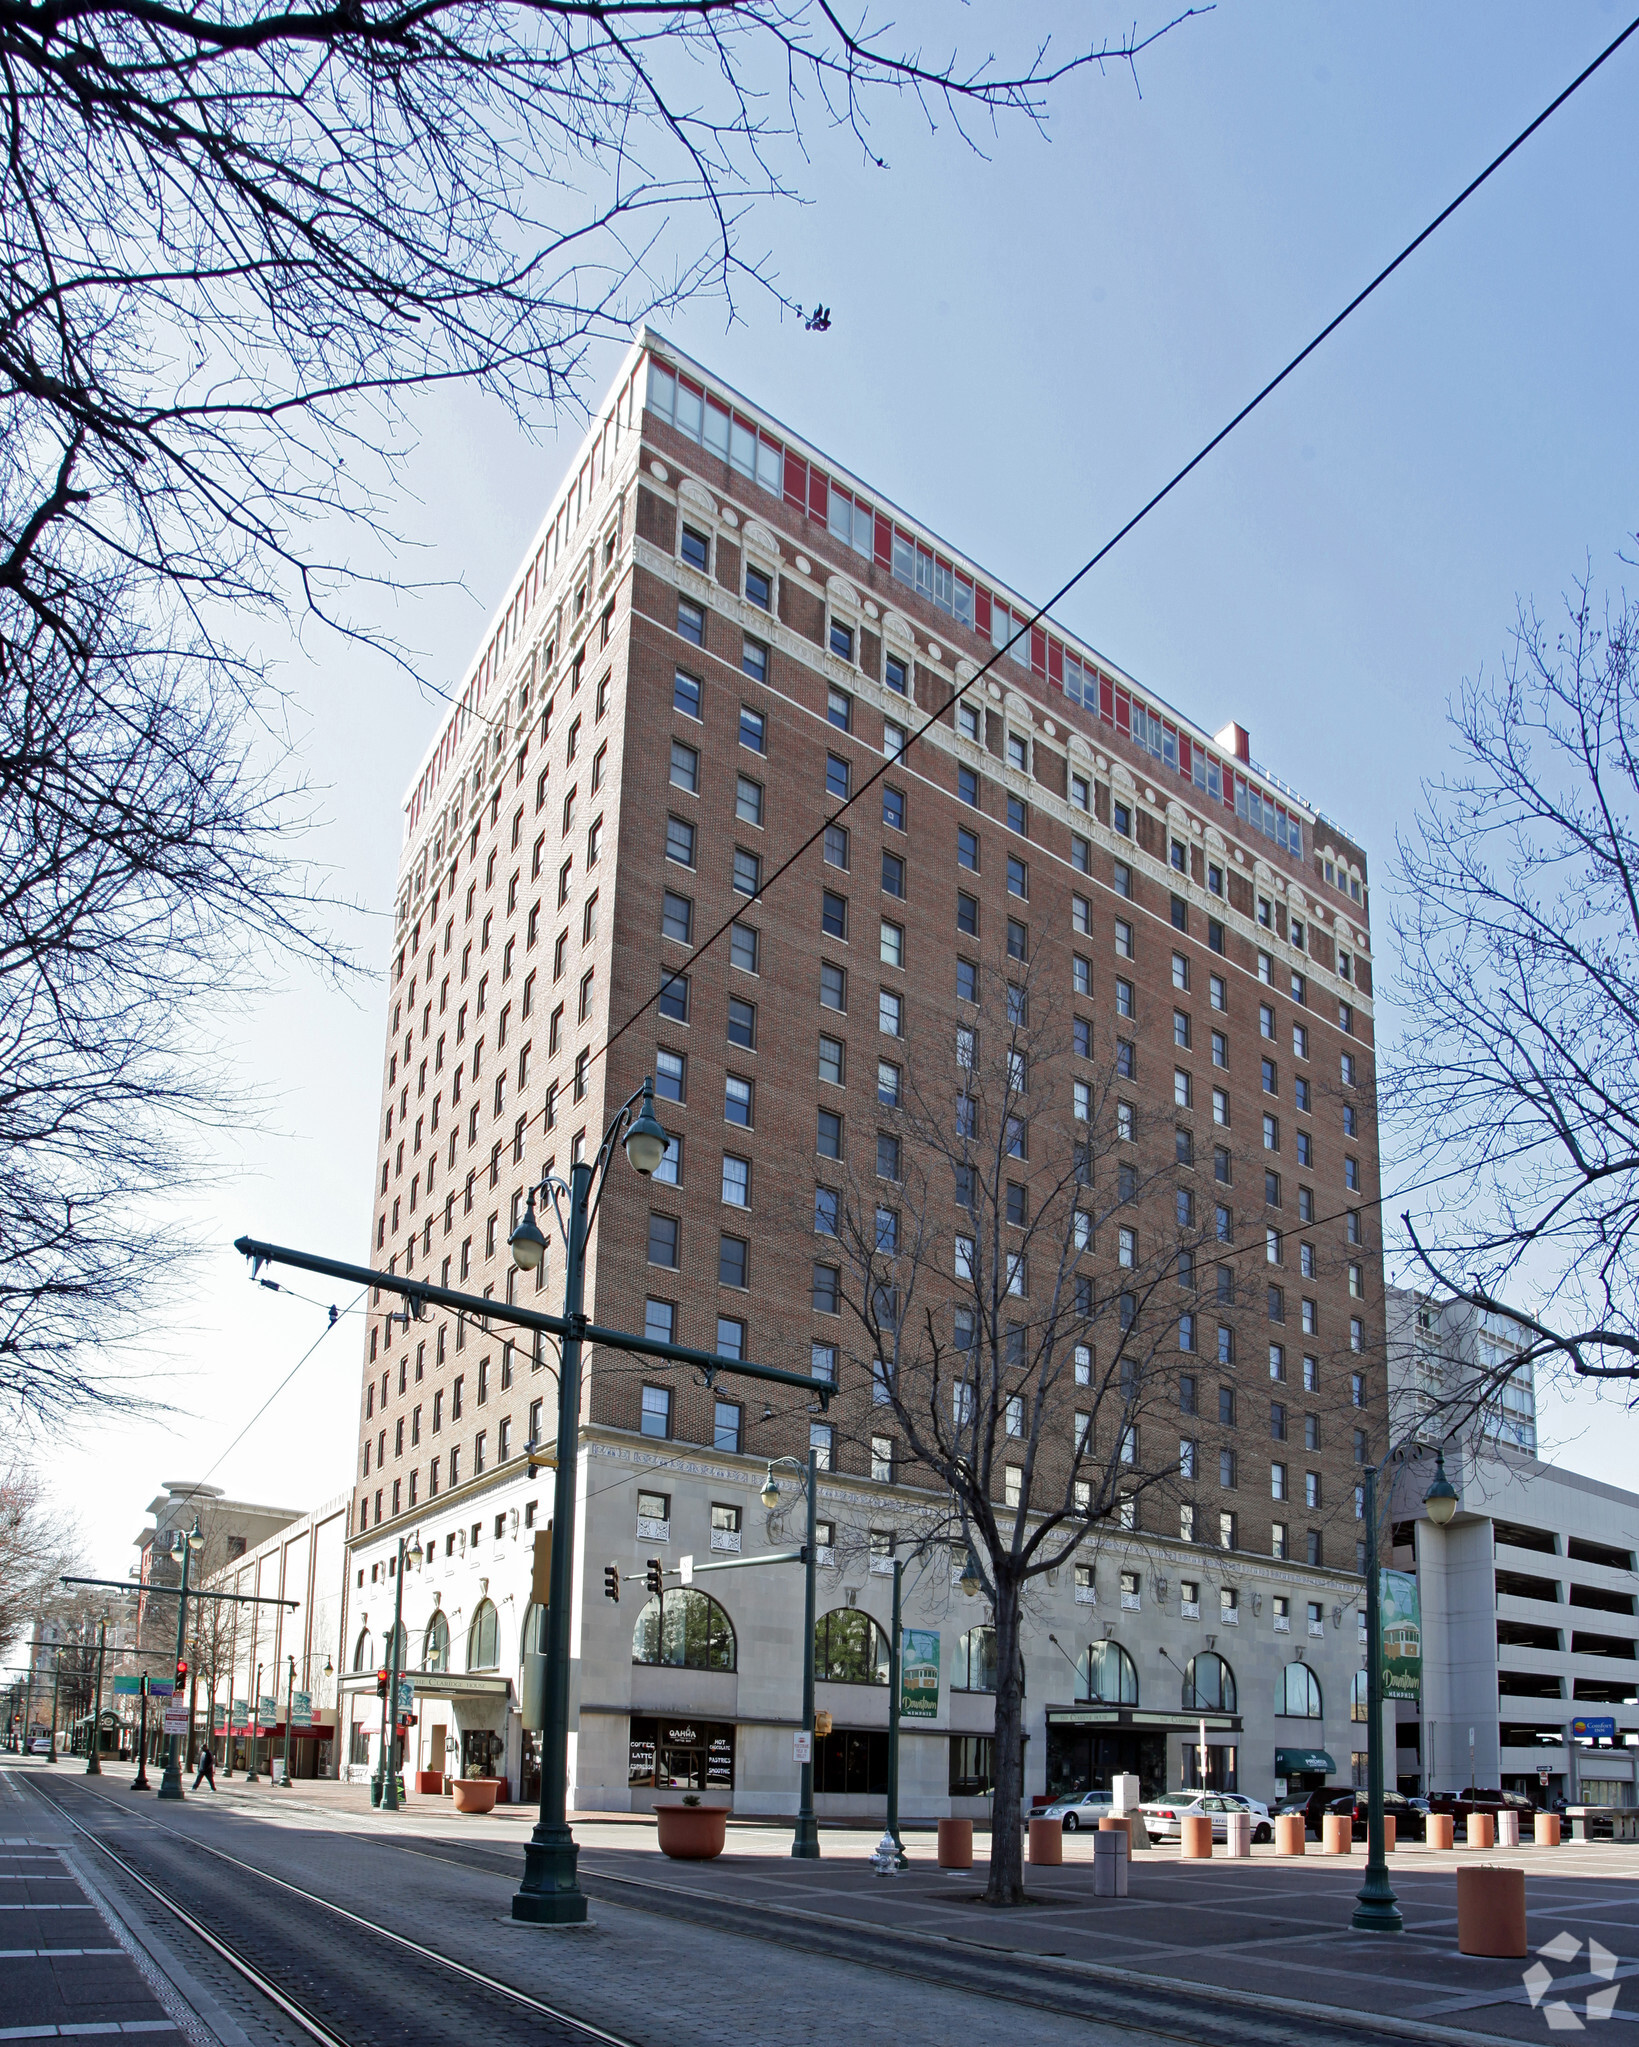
x=1228, y=2014
x=308, y=2021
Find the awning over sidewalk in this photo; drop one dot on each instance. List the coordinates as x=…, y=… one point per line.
x=1141, y=1720
x=1292, y=1762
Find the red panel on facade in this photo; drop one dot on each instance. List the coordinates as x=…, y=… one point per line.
x=981, y=611
x=1183, y=757
x=796, y=481
x=1055, y=662
x=1123, y=711
x=884, y=542
x=1038, y=651
x=1106, y=699
x=819, y=502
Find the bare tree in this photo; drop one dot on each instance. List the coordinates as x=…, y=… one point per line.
x=233, y=242
x=1517, y=1082
x=1015, y=1268
x=38, y=1545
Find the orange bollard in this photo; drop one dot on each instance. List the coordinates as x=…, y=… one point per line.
x=1195, y=1837
x=1491, y=1911
x=1118, y=1822
x=1482, y=1832
x=1546, y=1829
x=1289, y=1834
x=1441, y=1830
x=1337, y=1833
x=1388, y=1833
x=1046, y=1843
x=956, y=1844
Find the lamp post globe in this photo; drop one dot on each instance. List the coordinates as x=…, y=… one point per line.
x=1441, y=1497
x=771, y=1491
x=527, y=1244
x=646, y=1140
x=970, y=1580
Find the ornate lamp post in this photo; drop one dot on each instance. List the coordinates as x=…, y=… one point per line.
x=94, y=1767
x=389, y=1705
x=189, y=1546
x=1377, y=1911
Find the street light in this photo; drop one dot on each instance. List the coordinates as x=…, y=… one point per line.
x=550, y=1893
x=805, y=1845
x=387, y=1774
x=187, y=1547
x=1377, y=1911
x=94, y=1767
x=971, y=1582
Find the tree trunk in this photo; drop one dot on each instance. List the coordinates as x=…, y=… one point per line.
x=1006, y=1886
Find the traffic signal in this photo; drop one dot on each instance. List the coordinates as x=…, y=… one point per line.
x=182, y=1670
x=381, y=1683
x=611, y=1582
x=654, y=1578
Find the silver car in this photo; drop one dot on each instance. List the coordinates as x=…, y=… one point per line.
x=1080, y=1809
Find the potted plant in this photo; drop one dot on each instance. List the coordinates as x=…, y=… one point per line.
x=475, y=1792
x=691, y=1831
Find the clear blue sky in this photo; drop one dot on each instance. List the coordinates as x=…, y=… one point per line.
x=1021, y=349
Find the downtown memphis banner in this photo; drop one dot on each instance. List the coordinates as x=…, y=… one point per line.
x=1401, y=1634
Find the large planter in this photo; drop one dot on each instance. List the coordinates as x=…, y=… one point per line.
x=429, y=1783
x=476, y=1794
x=1491, y=1911
x=691, y=1833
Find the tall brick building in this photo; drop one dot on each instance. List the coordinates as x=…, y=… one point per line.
x=716, y=638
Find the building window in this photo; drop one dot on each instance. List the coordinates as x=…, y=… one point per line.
x=657, y=1411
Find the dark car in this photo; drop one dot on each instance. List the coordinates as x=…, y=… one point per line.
x=1459, y=1804
x=1409, y=1823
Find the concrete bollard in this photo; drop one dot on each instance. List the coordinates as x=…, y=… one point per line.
x=1442, y=1830
x=1195, y=1836
x=1290, y=1838
x=1046, y=1843
x=1481, y=1833
x=956, y=1844
x=1491, y=1911
x=1545, y=1829
x=1337, y=1833
x=1507, y=1829
x=1238, y=1835
x=1110, y=1863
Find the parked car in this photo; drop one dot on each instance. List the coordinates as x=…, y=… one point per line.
x=1262, y=1824
x=1409, y=1823
x=1459, y=1804
x=1079, y=1809
x=1163, y=1819
x=40, y=1745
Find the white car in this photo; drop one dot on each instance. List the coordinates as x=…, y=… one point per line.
x=1080, y=1809
x=1263, y=1826
x=1163, y=1818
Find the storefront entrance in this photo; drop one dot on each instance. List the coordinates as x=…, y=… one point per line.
x=680, y=1755
x=1087, y=1759
x=483, y=1752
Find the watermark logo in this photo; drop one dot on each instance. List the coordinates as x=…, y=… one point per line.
x=1600, y=2004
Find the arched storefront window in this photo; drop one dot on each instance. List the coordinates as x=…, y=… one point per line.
x=975, y=1669
x=534, y=1634
x=849, y=1648
x=364, y=1654
x=687, y=1629
x=1112, y=1676
x=1209, y=1685
x=435, y=1648
x=1297, y=1693
x=483, y=1638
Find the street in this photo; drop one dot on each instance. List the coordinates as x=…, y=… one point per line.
x=388, y=1931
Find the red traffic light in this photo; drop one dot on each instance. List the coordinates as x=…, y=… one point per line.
x=181, y=1669
x=381, y=1683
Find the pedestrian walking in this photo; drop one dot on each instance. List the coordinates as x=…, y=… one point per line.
x=207, y=1768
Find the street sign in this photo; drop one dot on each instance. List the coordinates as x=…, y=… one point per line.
x=1400, y=1623
x=406, y=1695
x=919, y=1674
x=161, y=1687
x=802, y=1746
x=176, y=1719
x=301, y=1709
x=127, y=1684
x=1600, y=1729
